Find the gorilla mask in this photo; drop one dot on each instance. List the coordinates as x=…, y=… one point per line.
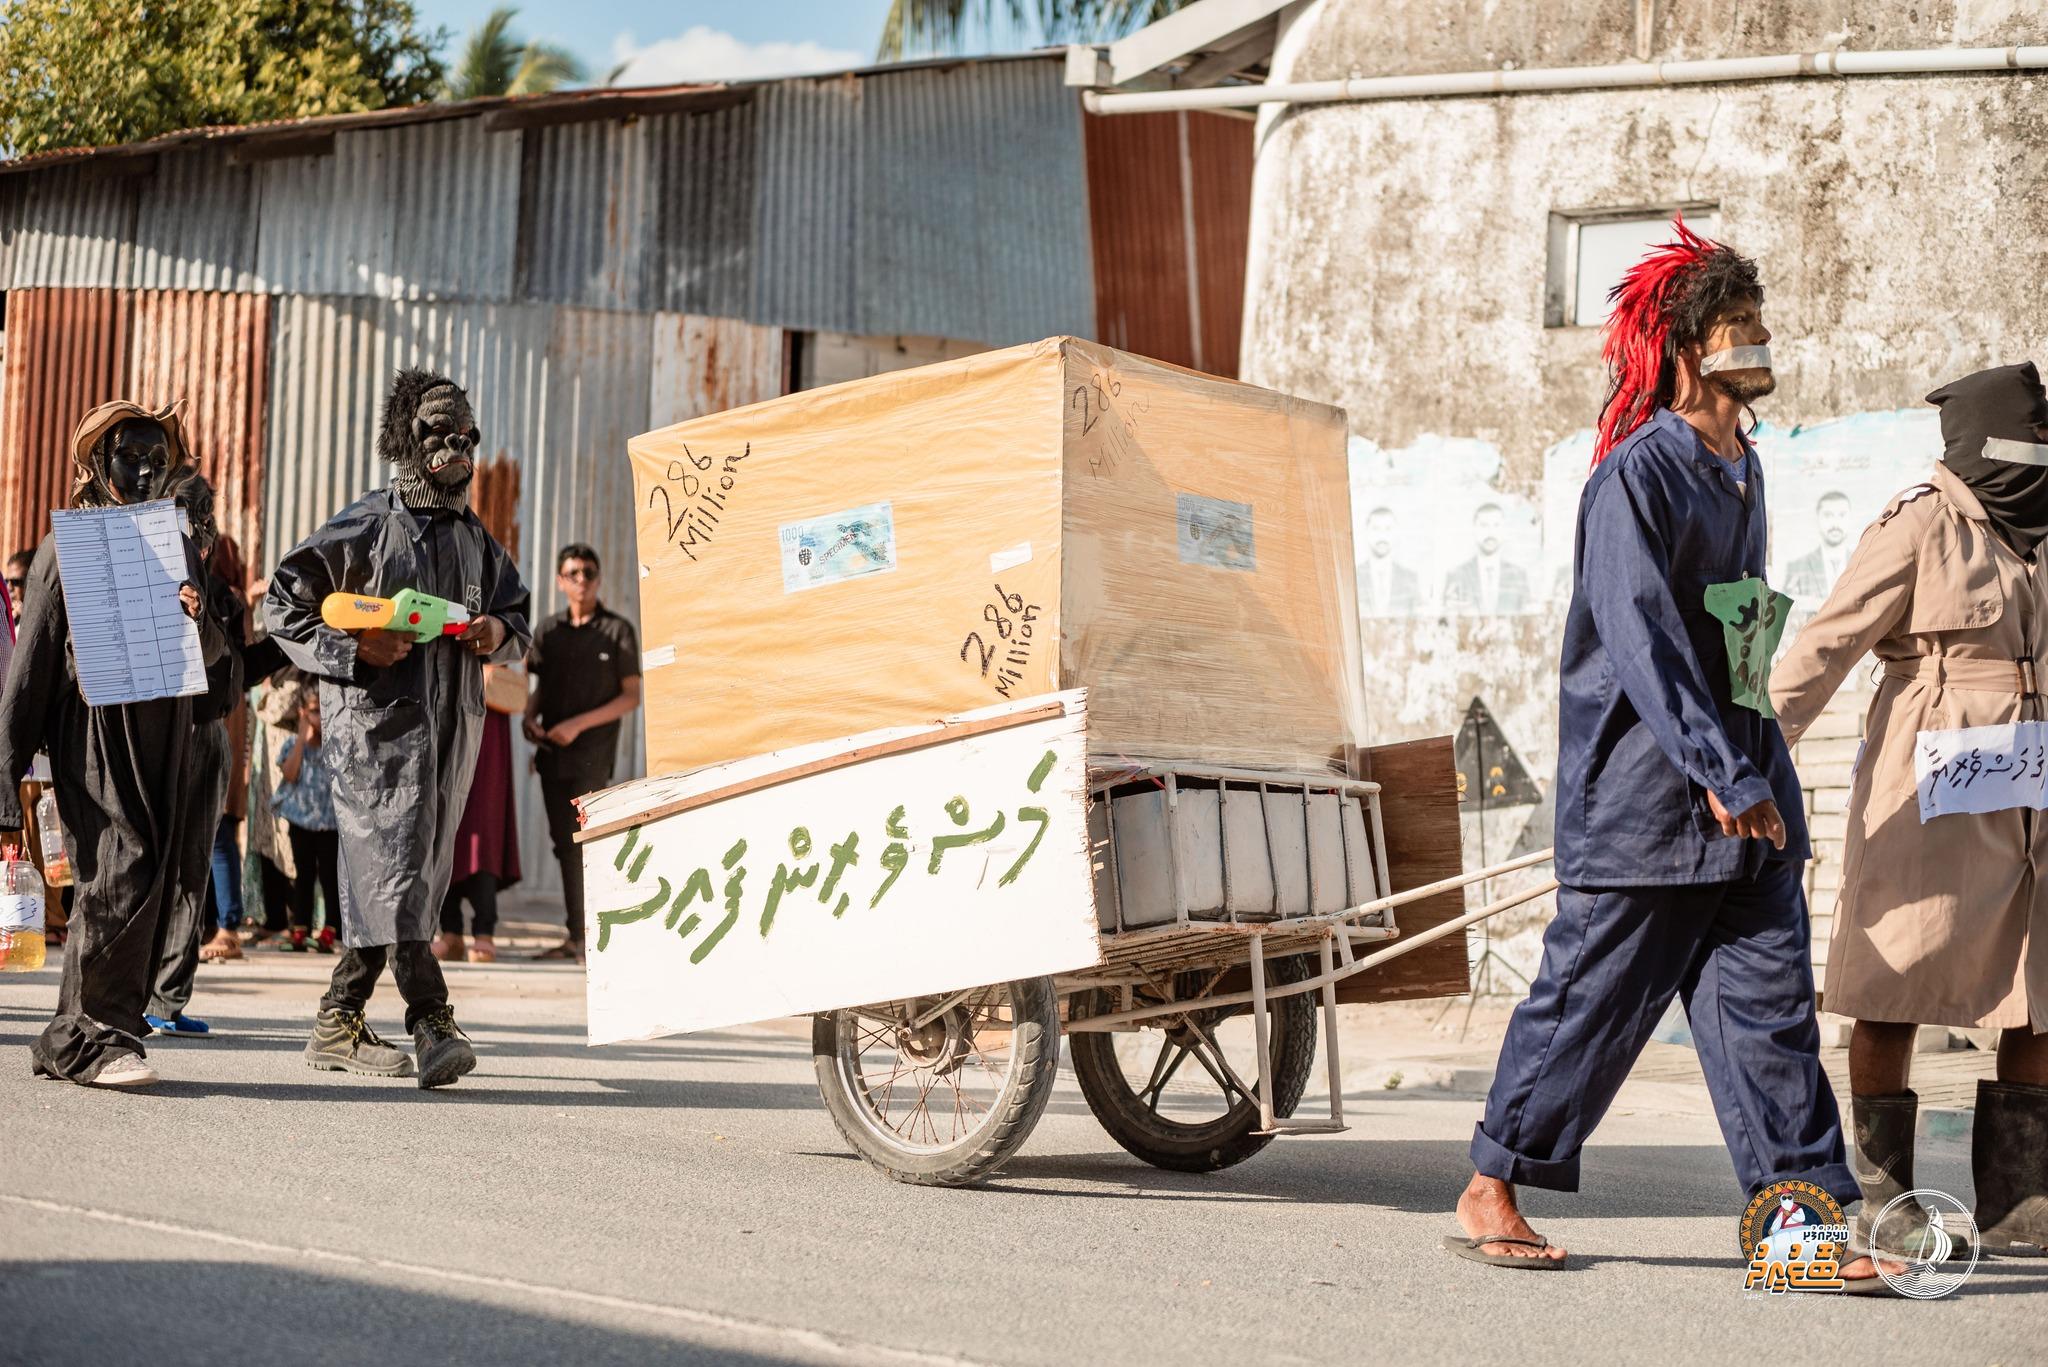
x=430, y=436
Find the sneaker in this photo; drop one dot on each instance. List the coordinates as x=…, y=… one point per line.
x=180, y=1024
x=343, y=1042
x=442, y=1049
x=325, y=942
x=125, y=1070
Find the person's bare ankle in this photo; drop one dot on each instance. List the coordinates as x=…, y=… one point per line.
x=1488, y=1206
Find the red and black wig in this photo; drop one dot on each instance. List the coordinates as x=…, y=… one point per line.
x=1667, y=300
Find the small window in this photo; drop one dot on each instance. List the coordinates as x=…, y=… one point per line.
x=1589, y=253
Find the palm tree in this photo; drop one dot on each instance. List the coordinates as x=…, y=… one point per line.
x=495, y=62
x=938, y=25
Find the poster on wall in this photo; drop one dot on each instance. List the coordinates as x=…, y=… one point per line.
x=1437, y=537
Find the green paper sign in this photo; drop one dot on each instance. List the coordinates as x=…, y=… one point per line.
x=1752, y=616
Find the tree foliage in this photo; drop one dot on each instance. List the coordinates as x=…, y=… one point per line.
x=94, y=72
x=493, y=61
x=940, y=25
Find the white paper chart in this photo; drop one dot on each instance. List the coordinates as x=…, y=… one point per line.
x=121, y=568
x=1982, y=769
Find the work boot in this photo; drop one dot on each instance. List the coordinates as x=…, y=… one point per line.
x=442, y=1049
x=343, y=1042
x=2009, y=1163
x=1884, y=1169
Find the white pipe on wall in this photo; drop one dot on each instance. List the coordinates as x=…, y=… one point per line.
x=1924, y=61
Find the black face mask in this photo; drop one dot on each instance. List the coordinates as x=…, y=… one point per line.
x=137, y=460
x=1987, y=413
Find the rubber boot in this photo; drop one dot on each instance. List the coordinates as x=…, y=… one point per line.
x=2009, y=1161
x=1885, y=1128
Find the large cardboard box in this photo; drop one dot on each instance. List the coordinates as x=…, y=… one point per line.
x=1050, y=516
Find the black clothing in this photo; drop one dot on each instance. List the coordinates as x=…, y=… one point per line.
x=480, y=890
x=316, y=856
x=403, y=739
x=412, y=963
x=120, y=776
x=206, y=789
x=2005, y=403
x=191, y=907
x=277, y=895
x=580, y=668
x=559, y=797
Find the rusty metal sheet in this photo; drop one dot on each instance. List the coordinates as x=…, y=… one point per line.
x=67, y=351
x=1169, y=199
x=13, y=191
x=973, y=214
x=805, y=251
x=195, y=225
x=77, y=229
x=1220, y=185
x=702, y=253
x=585, y=205
x=707, y=365
x=210, y=352
x=422, y=211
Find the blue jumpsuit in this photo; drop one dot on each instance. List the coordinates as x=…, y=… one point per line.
x=1655, y=900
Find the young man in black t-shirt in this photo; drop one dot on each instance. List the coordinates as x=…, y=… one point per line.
x=586, y=667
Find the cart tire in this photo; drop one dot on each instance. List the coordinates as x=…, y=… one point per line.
x=1026, y=1086
x=1230, y=1138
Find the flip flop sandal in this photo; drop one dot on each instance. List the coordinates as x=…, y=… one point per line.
x=1475, y=1250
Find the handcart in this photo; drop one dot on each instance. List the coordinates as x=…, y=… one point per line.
x=946, y=900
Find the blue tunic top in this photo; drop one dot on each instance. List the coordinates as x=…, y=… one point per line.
x=1647, y=724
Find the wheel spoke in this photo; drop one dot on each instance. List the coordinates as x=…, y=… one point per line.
x=1235, y=1083
x=1156, y=1088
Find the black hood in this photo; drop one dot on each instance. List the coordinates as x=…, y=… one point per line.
x=2006, y=403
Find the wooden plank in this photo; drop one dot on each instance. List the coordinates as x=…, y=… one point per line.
x=899, y=746
x=1419, y=806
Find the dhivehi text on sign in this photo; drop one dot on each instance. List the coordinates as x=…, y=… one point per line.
x=1976, y=769
x=958, y=864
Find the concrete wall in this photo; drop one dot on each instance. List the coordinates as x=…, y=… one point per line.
x=1399, y=256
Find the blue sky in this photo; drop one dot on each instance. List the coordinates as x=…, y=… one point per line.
x=683, y=40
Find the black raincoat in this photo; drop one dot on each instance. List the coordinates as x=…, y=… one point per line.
x=402, y=741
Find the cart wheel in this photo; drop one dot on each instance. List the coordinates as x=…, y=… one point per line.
x=1202, y=1118
x=946, y=1102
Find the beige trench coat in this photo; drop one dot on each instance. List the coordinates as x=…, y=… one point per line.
x=1942, y=923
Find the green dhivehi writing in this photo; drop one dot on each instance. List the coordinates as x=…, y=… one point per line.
x=794, y=875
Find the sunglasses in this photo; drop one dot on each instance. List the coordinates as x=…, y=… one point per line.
x=17, y=583
x=589, y=576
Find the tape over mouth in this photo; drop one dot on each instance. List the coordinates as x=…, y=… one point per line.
x=2015, y=452
x=1736, y=358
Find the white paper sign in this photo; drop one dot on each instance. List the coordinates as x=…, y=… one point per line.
x=926, y=871
x=121, y=568
x=1982, y=769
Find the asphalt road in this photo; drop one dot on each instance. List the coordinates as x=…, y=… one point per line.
x=687, y=1201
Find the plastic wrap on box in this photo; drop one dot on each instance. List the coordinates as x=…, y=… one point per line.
x=1049, y=516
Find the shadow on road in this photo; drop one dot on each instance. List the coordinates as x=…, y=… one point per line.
x=225, y=1314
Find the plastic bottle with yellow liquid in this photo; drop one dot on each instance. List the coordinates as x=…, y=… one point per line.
x=56, y=863
x=21, y=914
